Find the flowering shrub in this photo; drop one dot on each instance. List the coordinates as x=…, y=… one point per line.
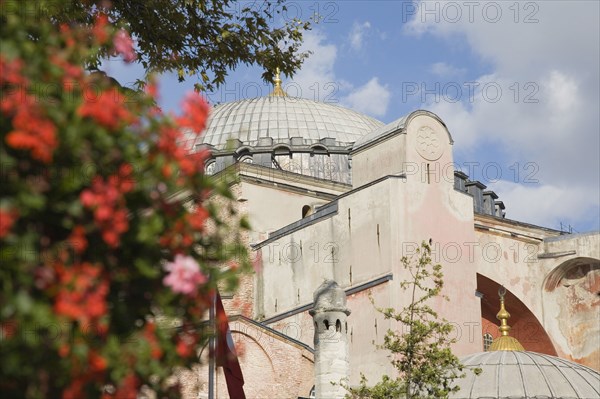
x=105, y=228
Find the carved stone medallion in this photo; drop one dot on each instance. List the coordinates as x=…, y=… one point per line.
x=429, y=144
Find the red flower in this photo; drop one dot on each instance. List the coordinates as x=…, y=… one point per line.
x=72, y=74
x=10, y=71
x=97, y=363
x=87, y=198
x=111, y=238
x=77, y=239
x=194, y=163
x=128, y=389
x=14, y=85
x=99, y=30
x=67, y=35
x=126, y=181
x=75, y=389
x=82, y=294
x=151, y=88
x=166, y=171
x=64, y=350
x=195, y=113
x=7, y=219
x=33, y=132
x=107, y=201
x=150, y=335
x=107, y=108
x=186, y=343
x=167, y=142
x=197, y=218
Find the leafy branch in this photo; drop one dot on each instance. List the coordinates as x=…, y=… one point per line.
x=420, y=352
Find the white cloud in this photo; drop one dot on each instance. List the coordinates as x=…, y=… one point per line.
x=547, y=205
x=371, y=98
x=445, y=70
x=317, y=80
x=563, y=93
x=357, y=34
x=548, y=110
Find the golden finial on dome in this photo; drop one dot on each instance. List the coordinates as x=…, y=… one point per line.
x=277, y=90
x=504, y=342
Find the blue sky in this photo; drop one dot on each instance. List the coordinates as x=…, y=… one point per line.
x=517, y=84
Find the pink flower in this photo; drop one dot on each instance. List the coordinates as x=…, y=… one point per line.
x=124, y=45
x=184, y=275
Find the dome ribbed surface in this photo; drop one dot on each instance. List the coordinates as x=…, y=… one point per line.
x=282, y=118
x=512, y=374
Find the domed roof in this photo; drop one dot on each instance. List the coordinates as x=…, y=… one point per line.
x=329, y=296
x=516, y=374
x=282, y=118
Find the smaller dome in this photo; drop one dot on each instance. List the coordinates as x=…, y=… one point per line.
x=329, y=297
x=516, y=374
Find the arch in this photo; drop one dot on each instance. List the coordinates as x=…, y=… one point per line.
x=338, y=326
x=572, y=269
x=282, y=149
x=306, y=211
x=235, y=334
x=246, y=158
x=210, y=167
x=319, y=149
x=430, y=114
x=243, y=150
x=573, y=290
x=524, y=324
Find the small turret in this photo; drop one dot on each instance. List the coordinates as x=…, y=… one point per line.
x=329, y=313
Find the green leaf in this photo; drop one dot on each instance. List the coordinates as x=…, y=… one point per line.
x=146, y=268
x=23, y=302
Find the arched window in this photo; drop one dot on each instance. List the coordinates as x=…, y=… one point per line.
x=487, y=341
x=306, y=211
x=210, y=168
x=246, y=159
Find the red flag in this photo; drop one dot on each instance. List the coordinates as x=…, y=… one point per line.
x=226, y=356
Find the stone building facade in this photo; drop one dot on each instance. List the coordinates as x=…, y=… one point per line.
x=336, y=195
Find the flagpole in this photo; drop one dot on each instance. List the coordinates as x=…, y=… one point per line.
x=211, y=346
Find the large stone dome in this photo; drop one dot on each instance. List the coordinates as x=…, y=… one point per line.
x=520, y=374
x=293, y=134
x=283, y=118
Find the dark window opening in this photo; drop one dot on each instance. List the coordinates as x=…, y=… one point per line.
x=306, y=211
